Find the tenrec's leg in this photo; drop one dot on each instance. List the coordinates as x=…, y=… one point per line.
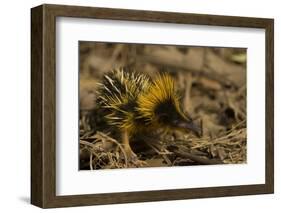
x=126, y=143
x=132, y=157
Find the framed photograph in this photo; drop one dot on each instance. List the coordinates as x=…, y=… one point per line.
x=136, y=106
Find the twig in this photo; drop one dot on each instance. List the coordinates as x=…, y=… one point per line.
x=91, y=161
x=198, y=159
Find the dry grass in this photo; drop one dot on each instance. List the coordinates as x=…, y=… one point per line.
x=105, y=152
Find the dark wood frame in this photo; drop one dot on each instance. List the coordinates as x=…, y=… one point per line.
x=43, y=105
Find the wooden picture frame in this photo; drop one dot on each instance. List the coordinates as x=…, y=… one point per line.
x=43, y=105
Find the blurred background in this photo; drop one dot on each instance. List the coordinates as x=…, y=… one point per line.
x=211, y=81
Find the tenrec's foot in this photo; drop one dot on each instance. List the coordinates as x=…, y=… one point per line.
x=139, y=163
x=132, y=158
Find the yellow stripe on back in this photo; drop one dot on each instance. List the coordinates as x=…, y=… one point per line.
x=162, y=89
